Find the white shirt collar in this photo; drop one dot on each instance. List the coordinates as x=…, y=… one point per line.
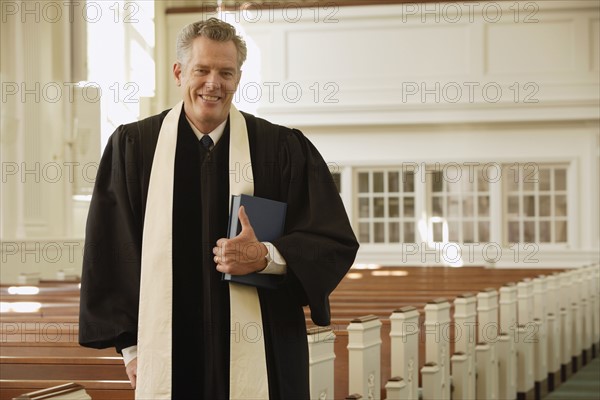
x=215, y=135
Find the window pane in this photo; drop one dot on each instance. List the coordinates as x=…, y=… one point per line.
x=393, y=182
x=437, y=206
x=437, y=181
x=513, y=232
x=468, y=207
x=561, y=206
x=467, y=185
x=409, y=182
x=513, y=205
x=454, y=231
x=482, y=181
x=454, y=206
x=529, y=232
x=545, y=179
x=437, y=232
x=378, y=207
x=363, y=232
x=484, y=231
x=393, y=207
x=363, y=207
x=529, y=205
x=468, y=232
x=560, y=179
x=561, y=231
x=379, y=231
x=453, y=187
x=512, y=179
x=530, y=176
x=378, y=182
x=483, y=206
x=394, y=228
x=545, y=233
x=545, y=206
x=363, y=182
x=409, y=206
x=409, y=232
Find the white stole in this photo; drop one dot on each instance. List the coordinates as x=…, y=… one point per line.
x=248, y=370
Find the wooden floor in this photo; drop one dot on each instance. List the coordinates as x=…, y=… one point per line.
x=39, y=349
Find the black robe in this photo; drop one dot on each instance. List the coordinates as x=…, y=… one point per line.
x=318, y=246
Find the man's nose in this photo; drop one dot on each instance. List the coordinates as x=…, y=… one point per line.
x=213, y=82
x=212, y=85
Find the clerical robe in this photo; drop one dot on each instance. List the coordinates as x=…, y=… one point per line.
x=318, y=246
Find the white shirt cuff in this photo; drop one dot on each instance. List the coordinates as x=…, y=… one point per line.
x=129, y=353
x=276, y=263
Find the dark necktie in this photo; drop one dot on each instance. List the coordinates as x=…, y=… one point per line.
x=207, y=142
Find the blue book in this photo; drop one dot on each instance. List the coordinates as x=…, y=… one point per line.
x=267, y=218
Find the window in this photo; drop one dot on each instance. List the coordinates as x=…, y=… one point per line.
x=535, y=203
x=460, y=205
x=386, y=206
x=454, y=203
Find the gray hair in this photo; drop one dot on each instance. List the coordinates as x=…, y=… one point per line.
x=213, y=29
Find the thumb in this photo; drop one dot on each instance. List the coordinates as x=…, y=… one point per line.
x=244, y=220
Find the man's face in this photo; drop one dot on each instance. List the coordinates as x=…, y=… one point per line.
x=208, y=82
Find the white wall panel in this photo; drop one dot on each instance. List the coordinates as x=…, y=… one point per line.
x=530, y=48
x=363, y=52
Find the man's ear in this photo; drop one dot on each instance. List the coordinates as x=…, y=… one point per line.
x=177, y=73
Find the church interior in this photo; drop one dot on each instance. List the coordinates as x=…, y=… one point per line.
x=464, y=141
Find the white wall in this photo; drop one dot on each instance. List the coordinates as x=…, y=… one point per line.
x=448, y=82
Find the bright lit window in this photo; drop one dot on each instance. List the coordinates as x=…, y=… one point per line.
x=536, y=203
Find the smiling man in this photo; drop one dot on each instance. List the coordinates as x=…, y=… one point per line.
x=156, y=242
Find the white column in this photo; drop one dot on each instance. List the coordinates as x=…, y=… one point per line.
x=565, y=323
x=396, y=389
x=577, y=316
x=483, y=355
x=507, y=360
x=404, y=337
x=487, y=315
x=437, y=341
x=432, y=376
x=525, y=379
x=525, y=301
x=461, y=377
x=553, y=328
x=596, y=307
x=507, y=385
x=465, y=320
x=588, y=303
x=321, y=357
x=364, y=356
x=524, y=338
x=540, y=349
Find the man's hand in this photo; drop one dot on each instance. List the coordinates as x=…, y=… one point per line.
x=243, y=254
x=131, y=370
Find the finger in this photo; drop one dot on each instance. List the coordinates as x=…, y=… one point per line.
x=221, y=242
x=244, y=220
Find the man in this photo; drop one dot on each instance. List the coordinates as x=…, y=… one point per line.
x=156, y=249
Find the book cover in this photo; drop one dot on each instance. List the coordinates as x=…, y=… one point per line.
x=267, y=218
